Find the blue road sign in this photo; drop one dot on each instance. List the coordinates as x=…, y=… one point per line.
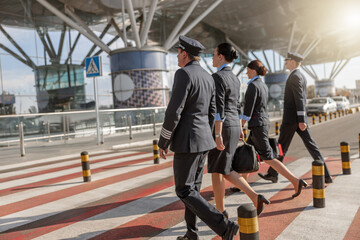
x=93, y=66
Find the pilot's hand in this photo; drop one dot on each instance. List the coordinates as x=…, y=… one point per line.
x=302, y=126
x=162, y=153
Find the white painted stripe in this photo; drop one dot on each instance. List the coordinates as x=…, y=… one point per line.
x=51, y=175
x=56, y=165
x=332, y=222
x=23, y=195
x=165, y=132
x=51, y=159
x=49, y=209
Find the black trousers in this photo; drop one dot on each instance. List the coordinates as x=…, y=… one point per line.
x=287, y=132
x=188, y=172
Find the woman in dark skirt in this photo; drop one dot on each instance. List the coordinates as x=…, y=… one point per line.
x=227, y=131
x=255, y=114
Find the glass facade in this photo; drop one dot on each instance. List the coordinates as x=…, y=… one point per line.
x=60, y=87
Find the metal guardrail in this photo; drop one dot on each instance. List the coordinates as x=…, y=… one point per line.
x=65, y=125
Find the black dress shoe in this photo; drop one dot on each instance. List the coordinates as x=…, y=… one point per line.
x=260, y=203
x=231, y=231
x=183, y=238
x=269, y=177
x=235, y=189
x=302, y=184
x=226, y=214
x=328, y=180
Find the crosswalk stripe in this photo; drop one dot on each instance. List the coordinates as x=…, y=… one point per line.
x=132, y=198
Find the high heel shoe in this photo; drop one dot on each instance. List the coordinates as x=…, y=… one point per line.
x=260, y=207
x=302, y=184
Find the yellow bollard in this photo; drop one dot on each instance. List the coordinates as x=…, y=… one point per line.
x=276, y=128
x=330, y=115
x=319, y=118
x=248, y=222
x=245, y=133
x=85, y=166
x=325, y=117
x=318, y=183
x=313, y=119
x=345, y=158
x=156, y=152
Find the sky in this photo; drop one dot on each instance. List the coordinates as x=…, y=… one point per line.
x=18, y=78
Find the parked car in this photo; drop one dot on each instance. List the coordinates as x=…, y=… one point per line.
x=342, y=103
x=320, y=105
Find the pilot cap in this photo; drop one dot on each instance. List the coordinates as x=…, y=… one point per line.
x=294, y=56
x=190, y=45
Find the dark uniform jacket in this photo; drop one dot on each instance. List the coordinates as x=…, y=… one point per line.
x=295, y=98
x=256, y=98
x=227, y=96
x=190, y=115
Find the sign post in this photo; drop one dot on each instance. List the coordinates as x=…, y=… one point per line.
x=94, y=69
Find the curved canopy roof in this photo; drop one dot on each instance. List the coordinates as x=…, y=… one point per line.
x=329, y=25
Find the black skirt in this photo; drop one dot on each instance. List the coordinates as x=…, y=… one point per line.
x=220, y=161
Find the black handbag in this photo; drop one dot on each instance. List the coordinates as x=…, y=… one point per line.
x=246, y=159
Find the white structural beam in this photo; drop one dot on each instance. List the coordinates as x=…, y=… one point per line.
x=130, y=10
x=196, y=21
x=179, y=25
x=301, y=42
x=149, y=19
x=72, y=24
x=242, y=52
x=345, y=63
x=291, y=36
x=312, y=47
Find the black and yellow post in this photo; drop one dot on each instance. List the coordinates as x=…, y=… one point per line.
x=313, y=119
x=85, y=166
x=334, y=114
x=248, y=222
x=156, y=152
x=320, y=118
x=276, y=128
x=343, y=112
x=346, y=112
x=345, y=158
x=357, y=109
x=325, y=117
x=330, y=116
x=245, y=134
x=350, y=111
x=318, y=183
x=338, y=113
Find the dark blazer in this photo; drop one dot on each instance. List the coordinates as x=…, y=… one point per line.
x=295, y=98
x=256, y=98
x=190, y=115
x=227, y=96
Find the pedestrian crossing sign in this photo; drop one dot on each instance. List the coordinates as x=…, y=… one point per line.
x=93, y=66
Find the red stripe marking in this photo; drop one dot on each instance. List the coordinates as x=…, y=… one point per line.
x=354, y=229
x=22, y=176
x=50, y=181
x=55, y=222
x=53, y=196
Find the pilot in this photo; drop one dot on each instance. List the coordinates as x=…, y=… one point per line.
x=294, y=117
x=187, y=128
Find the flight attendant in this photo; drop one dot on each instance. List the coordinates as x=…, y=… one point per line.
x=227, y=131
x=256, y=98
